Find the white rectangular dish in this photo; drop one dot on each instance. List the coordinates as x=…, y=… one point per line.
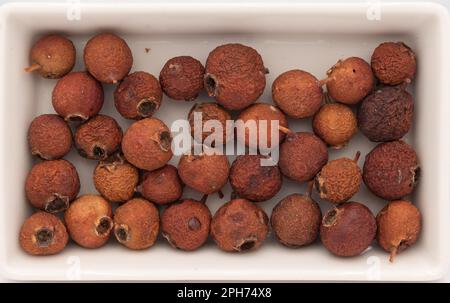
x=306, y=36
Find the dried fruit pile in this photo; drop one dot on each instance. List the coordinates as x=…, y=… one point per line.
x=141, y=194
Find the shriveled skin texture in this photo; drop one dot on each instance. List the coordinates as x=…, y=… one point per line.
x=235, y=75
x=55, y=56
x=339, y=180
x=147, y=144
x=49, y=137
x=252, y=181
x=391, y=170
x=186, y=225
x=335, y=124
x=297, y=93
x=302, y=155
x=181, y=78
x=387, y=114
x=257, y=113
x=108, y=58
x=50, y=180
x=350, y=80
x=116, y=180
x=138, y=96
x=399, y=226
x=162, y=186
x=209, y=112
x=136, y=224
x=393, y=63
x=89, y=221
x=43, y=234
x=239, y=226
x=348, y=229
x=77, y=96
x=204, y=173
x=98, y=138
x=296, y=220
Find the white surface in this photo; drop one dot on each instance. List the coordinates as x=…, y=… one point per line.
x=310, y=37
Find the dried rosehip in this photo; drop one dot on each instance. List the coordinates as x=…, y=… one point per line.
x=162, y=185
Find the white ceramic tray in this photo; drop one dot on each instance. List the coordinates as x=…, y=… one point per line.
x=306, y=36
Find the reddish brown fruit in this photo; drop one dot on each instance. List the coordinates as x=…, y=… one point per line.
x=302, y=155
x=235, y=75
x=181, y=78
x=136, y=224
x=204, y=173
x=252, y=181
x=350, y=80
x=339, y=180
x=77, y=96
x=256, y=114
x=394, y=63
x=335, y=124
x=98, y=138
x=387, y=114
x=215, y=113
x=296, y=219
x=43, y=234
x=147, y=144
x=391, y=170
x=239, y=226
x=298, y=93
x=49, y=137
x=399, y=225
x=138, y=96
x=186, y=225
x=89, y=221
x=116, y=179
x=108, y=58
x=162, y=186
x=52, y=56
x=51, y=185
x=348, y=229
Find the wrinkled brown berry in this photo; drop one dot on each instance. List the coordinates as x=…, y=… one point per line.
x=387, y=114
x=393, y=63
x=181, y=78
x=391, y=170
x=302, y=155
x=399, y=225
x=253, y=181
x=116, y=179
x=51, y=185
x=89, y=221
x=77, y=97
x=52, y=56
x=147, y=144
x=254, y=117
x=348, y=229
x=136, y=224
x=350, y=80
x=298, y=93
x=239, y=226
x=214, y=113
x=162, y=185
x=204, y=173
x=335, y=124
x=49, y=137
x=186, y=225
x=339, y=180
x=235, y=75
x=108, y=58
x=98, y=138
x=43, y=234
x=296, y=220
x=138, y=96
